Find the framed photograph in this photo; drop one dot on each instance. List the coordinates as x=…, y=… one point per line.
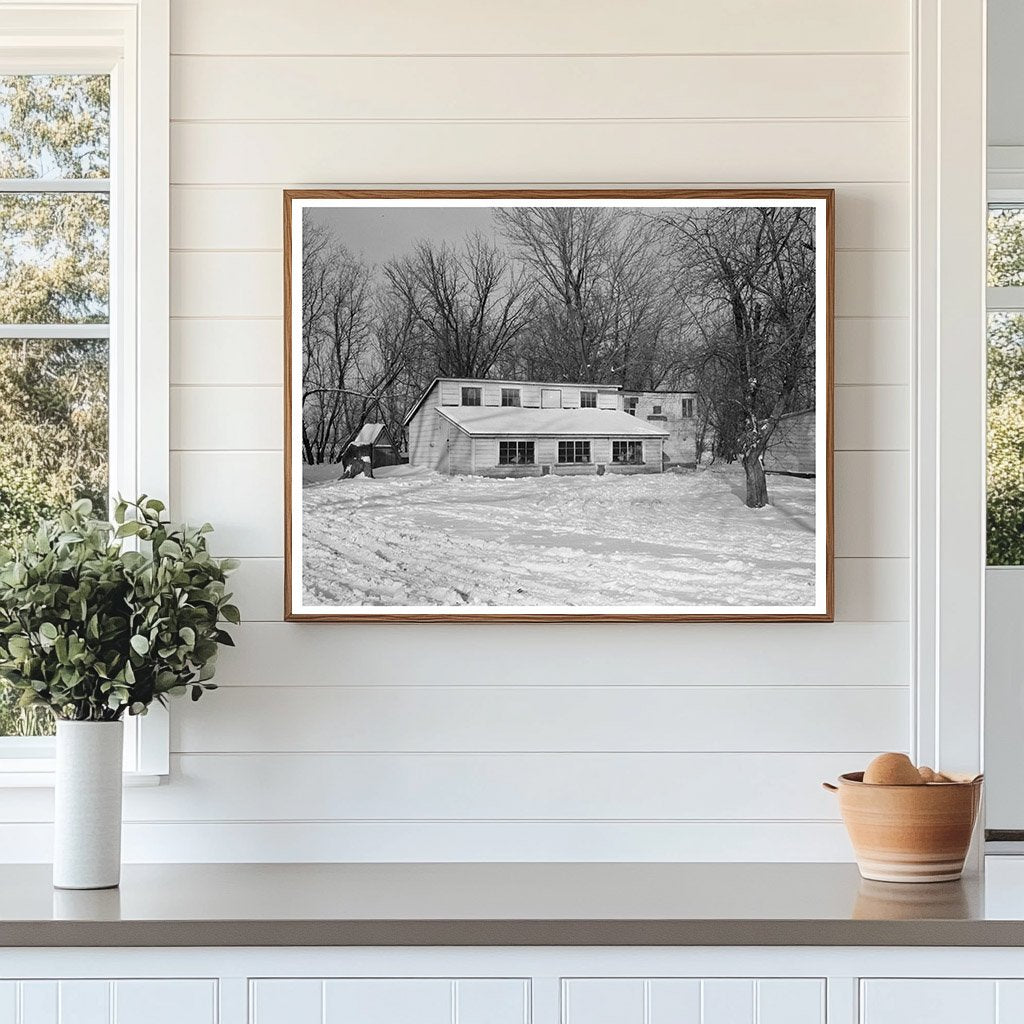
x=558, y=405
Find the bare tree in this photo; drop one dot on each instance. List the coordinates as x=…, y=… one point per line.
x=747, y=281
x=336, y=347
x=469, y=306
x=602, y=298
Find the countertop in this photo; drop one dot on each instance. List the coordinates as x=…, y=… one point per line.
x=511, y=904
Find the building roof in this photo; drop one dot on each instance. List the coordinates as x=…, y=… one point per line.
x=514, y=421
x=369, y=433
x=516, y=383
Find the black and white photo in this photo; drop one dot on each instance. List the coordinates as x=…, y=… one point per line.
x=559, y=405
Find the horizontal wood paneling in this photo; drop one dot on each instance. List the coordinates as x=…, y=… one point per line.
x=872, y=350
x=328, y=841
x=535, y=26
x=872, y=589
x=236, y=418
x=868, y=216
x=867, y=589
x=792, y=654
x=538, y=152
x=872, y=501
x=227, y=352
x=630, y=718
x=538, y=88
x=460, y=787
x=235, y=284
x=241, y=493
x=871, y=418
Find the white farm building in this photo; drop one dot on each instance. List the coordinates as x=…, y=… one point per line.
x=527, y=428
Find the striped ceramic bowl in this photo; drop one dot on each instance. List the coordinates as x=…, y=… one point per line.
x=909, y=833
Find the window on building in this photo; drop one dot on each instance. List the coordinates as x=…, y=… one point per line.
x=588, y=399
x=510, y=396
x=656, y=410
x=1005, y=477
x=515, y=453
x=629, y=453
x=573, y=451
x=687, y=408
x=629, y=404
x=472, y=396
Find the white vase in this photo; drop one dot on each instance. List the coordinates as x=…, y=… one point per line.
x=87, y=806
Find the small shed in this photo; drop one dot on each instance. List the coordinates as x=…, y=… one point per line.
x=372, y=447
x=792, y=447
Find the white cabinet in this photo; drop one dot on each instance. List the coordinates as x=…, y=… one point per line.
x=693, y=1001
x=389, y=1001
x=942, y=1001
x=95, y=1001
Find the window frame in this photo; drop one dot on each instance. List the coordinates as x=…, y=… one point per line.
x=478, y=391
x=628, y=442
x=530, y=446
x=575, y=461
x=688, y=409
x=516, y=394
x=131, y=43
x=588, y=395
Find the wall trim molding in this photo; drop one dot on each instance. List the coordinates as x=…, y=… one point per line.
x=949, y=455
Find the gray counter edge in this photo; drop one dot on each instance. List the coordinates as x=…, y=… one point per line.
x=241, y=933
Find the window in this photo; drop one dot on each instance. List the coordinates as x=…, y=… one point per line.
x=573, y=451
x=471, y=396
x=687, y=408
x=54, y=293
x=628, y=453
x=629, y=404
x=77, y=154
x=588, y=399
x=656, y=410
x=515, y=453
x=1005, y=476
x=510, y=396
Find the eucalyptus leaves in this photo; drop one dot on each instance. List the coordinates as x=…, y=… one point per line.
x=92, y=630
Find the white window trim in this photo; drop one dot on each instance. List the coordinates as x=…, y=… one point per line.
x=949, y=444
x=131, y=41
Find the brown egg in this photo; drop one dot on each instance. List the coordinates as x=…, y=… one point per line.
x=893, y=770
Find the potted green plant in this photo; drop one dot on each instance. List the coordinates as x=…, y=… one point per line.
x=99, y=620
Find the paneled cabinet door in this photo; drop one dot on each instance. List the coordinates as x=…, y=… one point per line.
x=693, y=1001
x=388, y=1001
x=96, y=1001
x=934, y=1001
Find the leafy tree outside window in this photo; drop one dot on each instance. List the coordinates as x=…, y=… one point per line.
x=1005, y=478
x=54, y=307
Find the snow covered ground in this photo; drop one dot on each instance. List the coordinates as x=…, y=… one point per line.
x=413, y=537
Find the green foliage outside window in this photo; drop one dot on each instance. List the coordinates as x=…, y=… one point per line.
x=54, y=269
x=1005, y=483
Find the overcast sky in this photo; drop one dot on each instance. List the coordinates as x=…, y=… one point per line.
x=378, y=233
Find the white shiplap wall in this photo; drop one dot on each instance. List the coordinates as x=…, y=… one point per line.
x=597, y=742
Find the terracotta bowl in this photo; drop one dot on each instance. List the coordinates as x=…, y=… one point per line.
x=909, y=833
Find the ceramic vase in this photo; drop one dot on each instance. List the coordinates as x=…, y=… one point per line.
x=87, y=806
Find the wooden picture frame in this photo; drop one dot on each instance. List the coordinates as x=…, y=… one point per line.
x=518, y=458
